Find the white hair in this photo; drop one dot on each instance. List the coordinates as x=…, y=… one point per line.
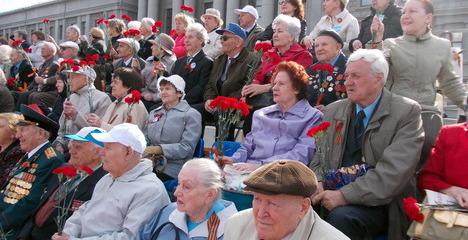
x=376, y=59
x=147, y=22
x=208, y=171
x=200, y=31
x=74, y=28
x=5, y=52
x=292, y=24
x=50, y=46
x=134, y=25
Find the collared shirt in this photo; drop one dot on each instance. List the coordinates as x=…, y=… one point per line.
x=128, y=61
x=369, y=110
x=335, y=59
x=247, y=30
x=32, y=152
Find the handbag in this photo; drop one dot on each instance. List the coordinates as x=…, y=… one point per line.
x=440, y=225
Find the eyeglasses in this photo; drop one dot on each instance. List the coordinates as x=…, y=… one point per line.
x=225, y=37
x=283, y=2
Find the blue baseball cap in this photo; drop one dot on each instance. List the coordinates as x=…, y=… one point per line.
x=235, y=29
x=84, y=135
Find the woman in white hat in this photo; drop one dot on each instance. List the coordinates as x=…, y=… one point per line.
x=212, y=22
x=172, y=130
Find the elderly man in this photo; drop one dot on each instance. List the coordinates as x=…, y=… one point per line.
x=126, y=51
x=376, y=138
x=84, y=151
x=85, y=99
x=69, y=50
x=225, y=79
x=147, y=34
x=28, y=180
x=21, y=70
x=281, y=206
x=22, y=35
x=125, y=198
x=248, y=17
x=212, y=22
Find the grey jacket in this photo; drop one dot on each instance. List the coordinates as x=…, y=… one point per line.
x=177, y=131
x=119, y=206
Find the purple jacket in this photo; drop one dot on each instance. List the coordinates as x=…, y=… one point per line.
x=276, y=135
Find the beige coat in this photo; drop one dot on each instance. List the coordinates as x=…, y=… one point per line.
x=392, y=144
x=117, y=112
x=311, y=227
x=416, y=64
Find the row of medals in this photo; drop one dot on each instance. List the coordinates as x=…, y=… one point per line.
x=17, y=189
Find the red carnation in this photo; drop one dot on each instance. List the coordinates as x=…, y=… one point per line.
x=158, y=23
x=86, y=170
x=11, y=82
x=319, y=129
x=70, y=62
x=75, y=68
x=111, y=16
x=92, y=57
x=28, y=50
x=16, y=43
x=173, y=33
x=67, y=171
x=134, y=98
x=263, y=46
x=131, y=33
x=45, y=20
x=102, y=21
x=186, y=8
x=411, y=209
x=126, y=17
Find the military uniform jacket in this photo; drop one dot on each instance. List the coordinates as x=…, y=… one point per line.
x=325, y=88
x=21, y=195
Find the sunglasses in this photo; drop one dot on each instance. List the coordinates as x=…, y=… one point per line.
x=225, y=37
x=283, y=2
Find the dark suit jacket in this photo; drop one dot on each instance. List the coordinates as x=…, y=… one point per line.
x=145, y=48
x=47, y=70
x=196, y=77
x=235, y=77
x=252, y=37
x=25, y=73
x=83, y=193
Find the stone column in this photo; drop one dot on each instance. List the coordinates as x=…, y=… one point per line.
x=88, y=24
x=314, y=12
x=267, y=13
x=219, y=4
x=230, y=15
x=142, y=6
x=175, y=9
x=56, y=30
x=153, y=9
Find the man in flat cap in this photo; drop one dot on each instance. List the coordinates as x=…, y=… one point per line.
x=28, y=179
x=281, y=206
x=125, y=198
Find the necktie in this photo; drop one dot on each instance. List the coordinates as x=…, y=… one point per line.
x=226, y=67
x=213, y=224
x=359, y=126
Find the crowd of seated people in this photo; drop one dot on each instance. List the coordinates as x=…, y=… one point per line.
x=131, y=103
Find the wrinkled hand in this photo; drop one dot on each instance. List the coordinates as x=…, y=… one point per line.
x=357, y=44
x=378, y=28
x=69, y=110
x=308, y=42
x=255, y=89
x=330, y=199
x=152, y=150
x=62, y=237
x=460, y=194
x=246, y=166
x=94, y=120
x=208, y=108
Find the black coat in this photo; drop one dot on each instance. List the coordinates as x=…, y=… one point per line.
x=332, y=86
x=83, y=193
x=145, y=48
x=196, y=75
x=391, y=21
x=25, y=74
x=267, y=35
x=47, y=70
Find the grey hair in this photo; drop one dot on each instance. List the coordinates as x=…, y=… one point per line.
x=209, y=172
x=200, y=31
x=5, y=52
x=292, y=23
x=74, y=28
x=376, y=59
x=147, y=22
x=50, y=46
x=134, y=25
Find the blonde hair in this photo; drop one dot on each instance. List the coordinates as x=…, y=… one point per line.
x=186, y=19
x=97, y=32
x=12, y=119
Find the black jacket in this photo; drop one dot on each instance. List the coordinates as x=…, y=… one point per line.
x=196, y=74
x=25, y=74
x=145, y=48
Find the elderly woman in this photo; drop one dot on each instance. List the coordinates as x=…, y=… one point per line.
x=212, y=22
x=326, y=87
x=37, y=40
x=125, y=80
x=73, y=33
x=162, y=60
x=182, y=21
x=417, y=59
x=147, y=35
x=387, y=12
x=199, y=213
x=194, y=68
x=172, y=130
x=5, y=62
x=338, y=18
x=283, y=125
x=10, y=151
x=62, y=90
x=115, y=28
x=293, y=8
x=96, y=39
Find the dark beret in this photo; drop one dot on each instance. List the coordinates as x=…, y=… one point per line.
x=332, y=34
x=282, y=177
